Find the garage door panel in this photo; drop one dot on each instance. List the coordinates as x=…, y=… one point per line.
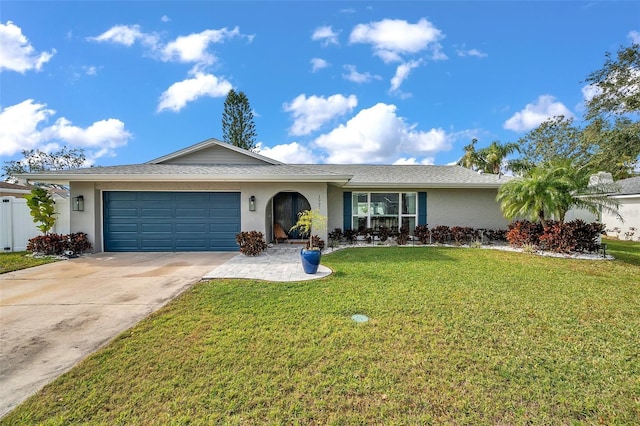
x=125, y=213
x=171, y=221
x=156, y=228
x=192, y=197
x=156, y=197
x=190, y=212
x=164, y=213
x=197, y=228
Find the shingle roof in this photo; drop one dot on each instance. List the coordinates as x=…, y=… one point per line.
x=141, y=172
x=413, y=176
x=350, y=175
x=361, y=176
x=629, y=186
x=7, y=185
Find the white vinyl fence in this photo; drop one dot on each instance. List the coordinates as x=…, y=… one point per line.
x=16, y=224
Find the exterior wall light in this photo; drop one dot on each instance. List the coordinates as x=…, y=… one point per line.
x=78, y=203
x=252, y=203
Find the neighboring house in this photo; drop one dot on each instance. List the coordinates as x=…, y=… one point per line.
x=13, y=190
x=198, y=198
x=629, y=198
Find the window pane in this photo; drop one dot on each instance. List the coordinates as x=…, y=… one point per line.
x=360, y=205
x=384, y=204
x=359, y=224
x=409, y=203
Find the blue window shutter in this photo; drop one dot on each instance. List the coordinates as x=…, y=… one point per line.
x=422, y=208
x=347, y=200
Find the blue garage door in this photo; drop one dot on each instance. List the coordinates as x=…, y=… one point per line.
x=171, y=221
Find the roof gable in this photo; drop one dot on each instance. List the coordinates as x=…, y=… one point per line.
x=213, y=152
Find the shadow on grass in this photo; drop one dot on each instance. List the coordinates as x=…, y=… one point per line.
x=624, y=251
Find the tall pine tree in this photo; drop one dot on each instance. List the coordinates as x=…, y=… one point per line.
x=238, y=127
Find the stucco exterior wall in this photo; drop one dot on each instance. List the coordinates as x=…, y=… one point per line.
x=476, y=208
x=90, y=220
x=630, y=211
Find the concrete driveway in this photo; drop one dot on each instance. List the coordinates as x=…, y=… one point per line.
x=53, y=316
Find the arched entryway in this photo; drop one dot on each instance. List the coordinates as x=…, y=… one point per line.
x=286, y=206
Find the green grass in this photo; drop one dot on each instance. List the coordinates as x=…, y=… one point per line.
x=456, y=336
x=624, y=251
x=21, y=260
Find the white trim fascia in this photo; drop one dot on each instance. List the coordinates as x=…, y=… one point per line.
x=423, y=185
x=189, y=178
x=625, y=196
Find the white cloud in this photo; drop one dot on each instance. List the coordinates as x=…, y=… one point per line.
x=392, y=38
x=590, y=91
x=471, y=52
x=23, y=126
x=634, y=36
x=178, y=94
x=292, y=153
x=402, y=72
x=378, y=135
x=193, y=47
x=354, y=76
x=413, y=161
x=165, y=18
x=536, y=113
x=326, y=35
x=126, y=35
x=90, y=70
x=311, y=113
x=17, y=54
x=317, y=64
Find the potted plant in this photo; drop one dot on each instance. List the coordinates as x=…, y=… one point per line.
x=309, y=220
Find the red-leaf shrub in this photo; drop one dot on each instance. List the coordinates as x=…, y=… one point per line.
x=587, y=235
x=316, y=241
x=557, y=237
x=78, y=242
x=50, y=244
x=422, y=234
x=251, y=243
x=441, y=234
x=56, y=244
x=562, y=238
x=524, y=232
x=463, y=234
x=403, y=236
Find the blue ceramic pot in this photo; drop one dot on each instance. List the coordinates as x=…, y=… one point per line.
x=310, y=260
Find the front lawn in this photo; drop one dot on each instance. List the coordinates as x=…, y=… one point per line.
x=21, y=260
x=458, y=336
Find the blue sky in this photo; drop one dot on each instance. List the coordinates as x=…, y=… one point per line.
x=329, y=82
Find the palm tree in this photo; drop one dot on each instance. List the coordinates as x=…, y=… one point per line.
x=551, y=190
x=492, y=158
x=470, y=158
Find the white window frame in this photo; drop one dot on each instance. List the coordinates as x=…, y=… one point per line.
x=364, y=210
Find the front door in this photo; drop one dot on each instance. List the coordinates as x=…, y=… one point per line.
x=286, y=206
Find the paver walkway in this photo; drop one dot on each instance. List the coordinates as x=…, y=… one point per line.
x=278, y=263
